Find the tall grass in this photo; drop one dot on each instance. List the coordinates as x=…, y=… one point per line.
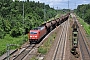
x=46, y=46
x=10, y=40
x=85, y=25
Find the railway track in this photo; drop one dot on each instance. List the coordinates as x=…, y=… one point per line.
x=23, y=53
x=20, y=55
x=83, y=47
x=59, y=53
x=85, y=53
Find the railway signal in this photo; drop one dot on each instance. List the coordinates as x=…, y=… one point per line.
x=8, y=50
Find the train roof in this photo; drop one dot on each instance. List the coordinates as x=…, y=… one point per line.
x=39, y=28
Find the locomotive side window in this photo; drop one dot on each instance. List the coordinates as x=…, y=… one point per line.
x=33, y=32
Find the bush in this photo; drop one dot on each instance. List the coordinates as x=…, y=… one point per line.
x=42, y=50
x=2, y=34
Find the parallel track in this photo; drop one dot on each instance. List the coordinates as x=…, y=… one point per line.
x=85, y=53
x=60, y=49
x=24, y=52
x=83, y=47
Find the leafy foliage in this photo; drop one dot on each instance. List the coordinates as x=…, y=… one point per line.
x=85, y=25
x=10, y=40
x=11, y=16
x=84, y=12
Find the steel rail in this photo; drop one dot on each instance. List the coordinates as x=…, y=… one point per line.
x=60, y=43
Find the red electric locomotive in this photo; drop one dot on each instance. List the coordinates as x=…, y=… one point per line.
x=36, y=34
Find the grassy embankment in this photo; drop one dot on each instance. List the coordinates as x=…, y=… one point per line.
x=43, y=49
x=85, y=25
x=10, y=40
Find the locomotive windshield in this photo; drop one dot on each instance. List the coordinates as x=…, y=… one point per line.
x=33, y=32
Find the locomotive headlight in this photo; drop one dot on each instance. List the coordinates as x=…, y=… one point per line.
x=30, y=36
x=35, y=36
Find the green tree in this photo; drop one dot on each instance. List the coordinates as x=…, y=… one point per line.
x=83, y=12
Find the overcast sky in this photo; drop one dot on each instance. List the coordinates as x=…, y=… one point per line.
x=61, y=4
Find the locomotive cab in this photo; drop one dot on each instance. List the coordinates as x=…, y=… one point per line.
x=36, y=34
